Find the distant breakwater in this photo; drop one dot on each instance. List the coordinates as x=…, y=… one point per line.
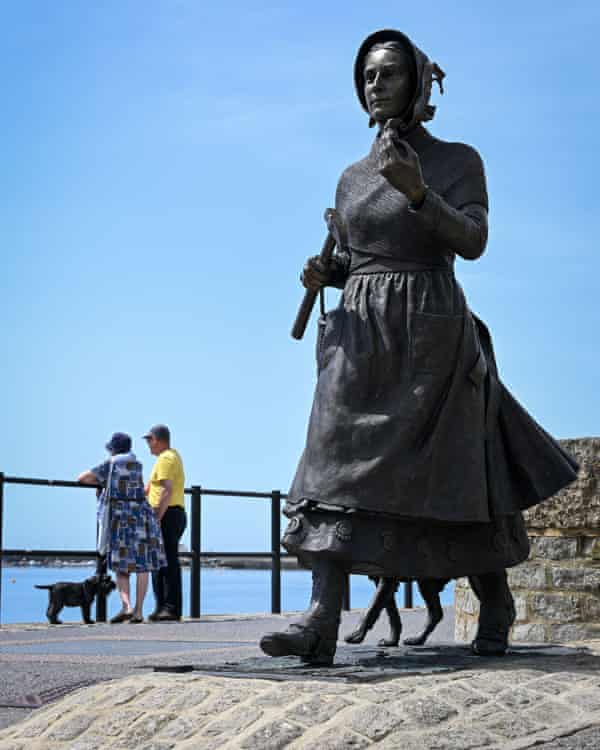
x=233, y=563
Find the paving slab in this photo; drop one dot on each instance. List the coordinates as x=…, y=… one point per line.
x=108, y=647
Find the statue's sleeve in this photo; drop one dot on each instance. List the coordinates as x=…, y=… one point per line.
x=459, y=217
x=340, y=268
x=340, y=262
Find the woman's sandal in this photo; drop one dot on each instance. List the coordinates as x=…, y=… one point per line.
x=121, y=617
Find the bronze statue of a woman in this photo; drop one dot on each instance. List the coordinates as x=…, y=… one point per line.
x=418, y=461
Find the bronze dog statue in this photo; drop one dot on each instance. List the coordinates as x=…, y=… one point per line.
x=429, y=588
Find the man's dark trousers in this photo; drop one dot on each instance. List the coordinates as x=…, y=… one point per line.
x=166, y=582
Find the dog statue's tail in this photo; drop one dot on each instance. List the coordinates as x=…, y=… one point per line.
x=39, y=586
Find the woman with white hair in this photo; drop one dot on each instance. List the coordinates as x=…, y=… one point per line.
x=129, y=532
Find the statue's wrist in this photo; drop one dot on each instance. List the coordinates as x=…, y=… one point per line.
x=338, y=273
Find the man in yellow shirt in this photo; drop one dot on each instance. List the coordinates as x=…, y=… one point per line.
x=165, y=495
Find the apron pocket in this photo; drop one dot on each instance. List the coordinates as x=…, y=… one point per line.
x=329, y=331
x=434, y=342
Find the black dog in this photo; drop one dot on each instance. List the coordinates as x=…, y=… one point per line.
x=82, y=594
x=430, y=589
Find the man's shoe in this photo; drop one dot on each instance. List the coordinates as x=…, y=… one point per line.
x=153, y=615
x=165, y=615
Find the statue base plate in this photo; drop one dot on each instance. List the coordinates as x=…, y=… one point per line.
x=364, y=664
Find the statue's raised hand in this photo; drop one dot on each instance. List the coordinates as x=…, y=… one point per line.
x=399, y=163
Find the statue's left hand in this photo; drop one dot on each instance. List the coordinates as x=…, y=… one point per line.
x=399, y=163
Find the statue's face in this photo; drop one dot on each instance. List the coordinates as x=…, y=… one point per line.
x=388, y=84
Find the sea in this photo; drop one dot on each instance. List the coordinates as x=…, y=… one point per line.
x=223, y=591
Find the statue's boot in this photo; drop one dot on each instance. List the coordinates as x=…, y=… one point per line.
x=496, y=613
x=314, y=637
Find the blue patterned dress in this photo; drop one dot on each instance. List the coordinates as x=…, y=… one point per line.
x=134, y=538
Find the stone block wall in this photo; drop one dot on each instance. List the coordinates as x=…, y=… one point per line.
x=557, y=590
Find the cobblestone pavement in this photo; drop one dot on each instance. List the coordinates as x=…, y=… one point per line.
x=504, y=704
x=588, y=739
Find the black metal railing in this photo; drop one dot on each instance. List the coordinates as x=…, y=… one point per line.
x=195, y=555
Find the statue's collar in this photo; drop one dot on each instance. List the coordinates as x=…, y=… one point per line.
x=417, y=137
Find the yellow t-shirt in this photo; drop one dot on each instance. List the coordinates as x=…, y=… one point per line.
x=168, y=466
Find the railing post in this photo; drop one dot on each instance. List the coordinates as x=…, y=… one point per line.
x=1, y=530
x=346, y=602
x=276, y=552
x=408, y=595
x=101, y=570
x=196, y=549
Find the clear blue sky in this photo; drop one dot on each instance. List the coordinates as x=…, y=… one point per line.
x=165, y=167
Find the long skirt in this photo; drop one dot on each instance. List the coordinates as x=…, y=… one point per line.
x=136, y=544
